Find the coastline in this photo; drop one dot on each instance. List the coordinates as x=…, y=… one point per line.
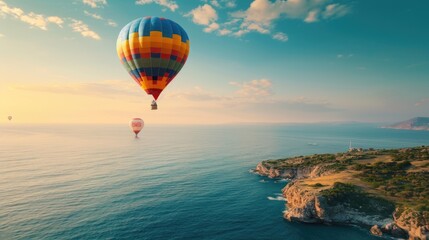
x=354, y=188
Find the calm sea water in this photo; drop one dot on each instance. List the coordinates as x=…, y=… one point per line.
x=175, y=182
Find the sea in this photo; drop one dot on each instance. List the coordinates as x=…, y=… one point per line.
x=173, y=182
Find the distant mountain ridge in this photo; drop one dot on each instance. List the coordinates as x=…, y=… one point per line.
x=417, y=123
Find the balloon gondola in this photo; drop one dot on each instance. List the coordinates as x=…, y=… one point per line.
x=154, y=106
x=153, y=50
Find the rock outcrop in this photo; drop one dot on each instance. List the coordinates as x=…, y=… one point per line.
x=414, y=222
x=393, y=230
x=311, y=206
x=359, y=188
x=376, y=231
x=290, y=173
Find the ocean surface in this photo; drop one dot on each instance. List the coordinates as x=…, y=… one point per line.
x=174, y=182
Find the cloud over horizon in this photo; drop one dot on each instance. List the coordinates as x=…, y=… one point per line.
x=253, y=89
x=107, y=88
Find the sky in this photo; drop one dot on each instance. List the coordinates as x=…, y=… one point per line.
x=250, y=61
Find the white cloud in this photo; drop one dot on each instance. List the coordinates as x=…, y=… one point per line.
x=215, y=3
x=212, y=27
x=42, y=22
x=95, y=3
x=230, y=4
x=109, y=22
x=31, y=18
x=335, y=11
x=203, y=15
x=93, y=15
x=54, y=19
x=224, y=31
x=240, y=32
x=1, y=35
x=261, y=14
x=221, y=3
x=207, y=16
x=170, y=4
x=254, y=88
x=34, y=19
x=312, y=16
x=281, y=37
x=422, y=102
x=112, y=23
x=83, y=29
x=232, y=22
x=4, y=8
x=258, y=28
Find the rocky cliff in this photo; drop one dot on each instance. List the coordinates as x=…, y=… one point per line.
x=416, y=223
x=311, y=205
x=290, y=173
x=368, y=188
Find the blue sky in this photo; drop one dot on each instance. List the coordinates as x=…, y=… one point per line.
x=250, y=61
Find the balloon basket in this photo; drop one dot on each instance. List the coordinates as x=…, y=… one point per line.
x=154, y=106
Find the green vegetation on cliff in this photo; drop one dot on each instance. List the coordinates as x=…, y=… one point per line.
x=337, y=162
x=396, y=179
x=400, y=175
x=354, y=197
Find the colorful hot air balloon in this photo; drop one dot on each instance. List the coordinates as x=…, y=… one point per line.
x=9, y=117
x=136, y=124
x=153, y=50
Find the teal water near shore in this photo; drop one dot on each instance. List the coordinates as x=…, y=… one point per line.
x=174, y=182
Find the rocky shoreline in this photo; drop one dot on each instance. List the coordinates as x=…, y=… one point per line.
x=323, y=191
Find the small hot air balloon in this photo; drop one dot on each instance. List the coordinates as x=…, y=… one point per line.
x=153, y=50
x=136, y=124
x=9, y=117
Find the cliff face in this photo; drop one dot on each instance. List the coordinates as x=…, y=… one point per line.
x=308, y=205
x=290, y=173
x=360, y=188
x=416, y=223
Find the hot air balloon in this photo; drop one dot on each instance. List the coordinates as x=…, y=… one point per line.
x=136, y=124
x=9, y=117
x=153, y=50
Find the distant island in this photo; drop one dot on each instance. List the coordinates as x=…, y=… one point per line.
x=418, y=123
x=386, y=191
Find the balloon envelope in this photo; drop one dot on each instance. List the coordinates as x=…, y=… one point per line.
x=136, y=124
x=153, y=50
x=9, y=117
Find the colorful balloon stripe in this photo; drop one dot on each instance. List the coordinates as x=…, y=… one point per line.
x=153, y=50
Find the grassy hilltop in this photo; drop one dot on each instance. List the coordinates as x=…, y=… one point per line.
x=398, y=175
